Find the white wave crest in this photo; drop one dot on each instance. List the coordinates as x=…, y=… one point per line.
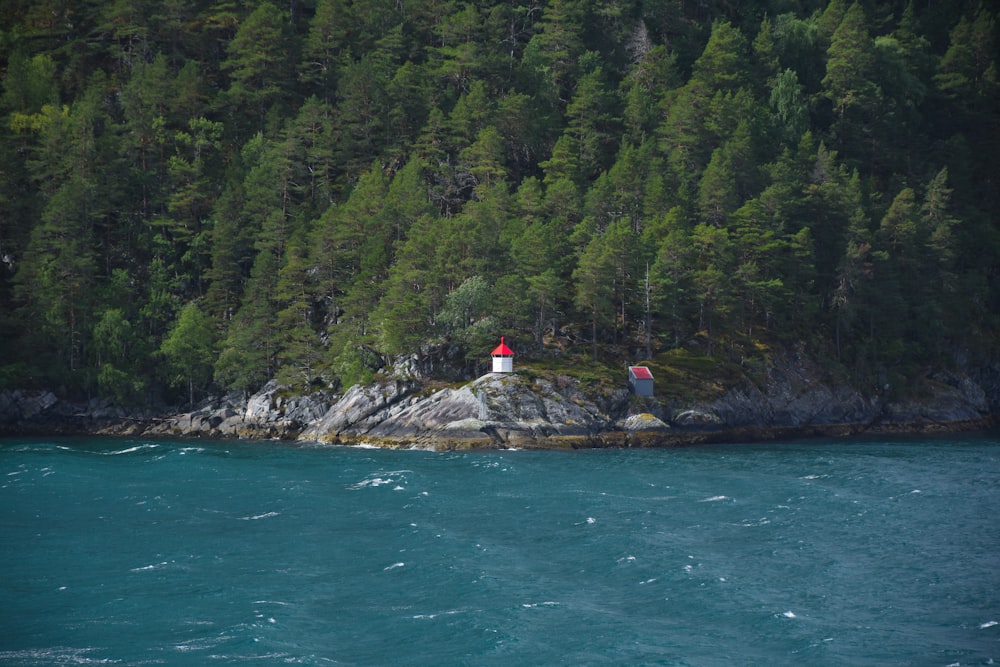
x=373, y=482
x=393, y=566
x=988, y=624
x=56, y=655
x=132, y=450
x=714, y=499
x=154, y=566
x=255, y=517
x=444, y=613
x=381, y=479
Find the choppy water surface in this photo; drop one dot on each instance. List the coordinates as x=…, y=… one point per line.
x=819, y=553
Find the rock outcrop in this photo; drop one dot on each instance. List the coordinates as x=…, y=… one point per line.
x=792, y=398
x=495, y=410
x=272, y=412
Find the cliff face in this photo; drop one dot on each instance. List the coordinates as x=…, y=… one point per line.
x=550, y=411
x=792, y=397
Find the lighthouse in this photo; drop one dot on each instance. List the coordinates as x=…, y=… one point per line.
x=503, y=358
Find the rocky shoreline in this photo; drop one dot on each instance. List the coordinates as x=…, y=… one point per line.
x=530, y=411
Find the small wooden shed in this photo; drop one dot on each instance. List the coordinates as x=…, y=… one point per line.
x=640, y=381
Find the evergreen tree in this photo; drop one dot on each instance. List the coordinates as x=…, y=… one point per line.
x=55, y=281
x=643, y=88
x=551, y=54
x=590, y=120
x=711, y=281
x=850, y=70
x=594, y=295
x=413, y=292
x=455, y=56
x=671, y=286
x=939, y=311
x=362, y=112
x=854, y=284
x=299, y=351
x=351, y=244
x=248, y=356
x=722, y=66
x=258, y=66
x=324, y=45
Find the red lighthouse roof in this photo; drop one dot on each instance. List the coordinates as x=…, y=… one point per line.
x=502, y=350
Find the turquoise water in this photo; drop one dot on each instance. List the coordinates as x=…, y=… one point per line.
x=190, y=553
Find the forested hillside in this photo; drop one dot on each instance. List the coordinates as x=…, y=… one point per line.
x=202, y=194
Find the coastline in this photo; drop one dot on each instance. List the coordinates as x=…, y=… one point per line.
x=676, y=438
x=514, y=411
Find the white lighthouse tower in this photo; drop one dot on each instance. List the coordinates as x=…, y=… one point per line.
x=503, y=358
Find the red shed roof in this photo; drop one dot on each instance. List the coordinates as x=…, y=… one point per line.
x=502, y=350
x=640, y=372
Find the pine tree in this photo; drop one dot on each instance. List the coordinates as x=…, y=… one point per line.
x=299, y=351
x=413, y=291
x=671, y=285
x=324, y=45
x=594, y=295
x=590, y=120
x=55, y=281
x=551, y=54
x=258, y=66
x=940, y=310
x=850, y=71
x=455, y=57
x=352, y=248
x=712, y=280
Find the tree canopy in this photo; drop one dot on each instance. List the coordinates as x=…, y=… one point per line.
x=212, y=193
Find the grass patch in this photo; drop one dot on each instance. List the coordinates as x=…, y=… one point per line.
x=679, y=374
x=589, y=373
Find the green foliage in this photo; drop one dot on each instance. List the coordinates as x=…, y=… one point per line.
x=333, y=182
x=353, y=366
x=188, y=350
x=258, y=66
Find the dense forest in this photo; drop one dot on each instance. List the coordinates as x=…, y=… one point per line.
x=202, y=195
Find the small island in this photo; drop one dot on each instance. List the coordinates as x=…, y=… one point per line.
x=317, y=219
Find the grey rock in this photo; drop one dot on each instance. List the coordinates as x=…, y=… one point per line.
x=696, y=418
x=35, y=403
x=260, y=407
x=493, y=410
x=793, y=394
x=435, y=412
x=356, y=408
x=642, y=422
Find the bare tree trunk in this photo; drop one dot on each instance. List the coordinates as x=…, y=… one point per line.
x=649, y=318
x=593, y=331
